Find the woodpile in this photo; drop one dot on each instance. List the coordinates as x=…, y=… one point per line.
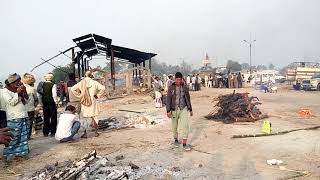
x=236, y=107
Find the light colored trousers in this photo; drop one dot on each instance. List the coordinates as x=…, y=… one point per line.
x=180, y=119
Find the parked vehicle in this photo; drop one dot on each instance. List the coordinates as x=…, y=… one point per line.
x=265, y=76
x=311, y=84
x=300, y=73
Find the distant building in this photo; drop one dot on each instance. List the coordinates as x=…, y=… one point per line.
x=206, y=64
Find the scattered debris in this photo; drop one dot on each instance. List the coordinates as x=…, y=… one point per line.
x=66, y=171
x=175, y=169
x=133, y=166
x=276, y=133
x=305, y=113
x=119, y=157
x=272, y=162
x=100, y=168
x=236, y=107
x=130, y=111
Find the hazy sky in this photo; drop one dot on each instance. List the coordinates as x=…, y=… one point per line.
x=284, y=29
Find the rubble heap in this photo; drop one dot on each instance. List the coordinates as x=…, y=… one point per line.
x=236, y=107
x=92, y=166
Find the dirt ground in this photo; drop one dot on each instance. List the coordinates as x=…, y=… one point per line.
x=215, y=154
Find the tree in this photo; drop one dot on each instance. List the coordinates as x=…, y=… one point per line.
x=61, y=73
x=162, y=68
x=271, y=66
x=185, y=68
x=245, y=66
x=233, y=65
x=262, y=67
x=283, y=71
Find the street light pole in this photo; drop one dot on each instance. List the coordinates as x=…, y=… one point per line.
x=250, y=46
x=250, y=60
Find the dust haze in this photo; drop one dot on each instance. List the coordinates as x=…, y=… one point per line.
x=285, y=30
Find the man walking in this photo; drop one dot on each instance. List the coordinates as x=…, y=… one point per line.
x=157, y=90
x=178, y=105
x=189, y=81
x=193, y=81
x=48, y=93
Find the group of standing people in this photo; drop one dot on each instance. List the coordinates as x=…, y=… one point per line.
x=19, y=100
x=194, y=82
x=235, y=80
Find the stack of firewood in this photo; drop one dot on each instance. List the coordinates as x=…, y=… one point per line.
x=236, y=107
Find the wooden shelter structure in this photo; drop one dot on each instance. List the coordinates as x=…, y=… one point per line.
x=91, y=45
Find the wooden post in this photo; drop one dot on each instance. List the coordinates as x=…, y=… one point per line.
x=82, y=67
x=79, y=69
x=139, y=73
x=136, y=70
x=150, y=64
x=133, y=66
x=113, y=79
x=88, y=67
x=73, y=63
x=149, y=78
x=85, y=65
x=129, y=81
x=144, y=74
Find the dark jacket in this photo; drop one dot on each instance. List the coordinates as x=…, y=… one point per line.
x=171, y=97
x=47, y=92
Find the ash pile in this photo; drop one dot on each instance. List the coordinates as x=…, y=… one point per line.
x=236, y=107
x=95, y=167
x=131, y=120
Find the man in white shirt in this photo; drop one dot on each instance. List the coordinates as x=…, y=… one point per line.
x=68, y=125
x=193, y=80
x=206, y=80
x=188, y=81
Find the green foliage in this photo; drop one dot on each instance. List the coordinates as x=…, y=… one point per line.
x=61, y=73
x=271, y=66
x=245, y=66
x=162, y=68
x=262, y=67
x=233, y=65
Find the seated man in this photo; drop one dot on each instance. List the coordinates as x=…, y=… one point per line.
x=68, y=125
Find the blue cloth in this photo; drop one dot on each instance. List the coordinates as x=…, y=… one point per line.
x=19, y=143
x=74, y=130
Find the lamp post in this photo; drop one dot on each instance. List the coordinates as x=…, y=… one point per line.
x=250, y=45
